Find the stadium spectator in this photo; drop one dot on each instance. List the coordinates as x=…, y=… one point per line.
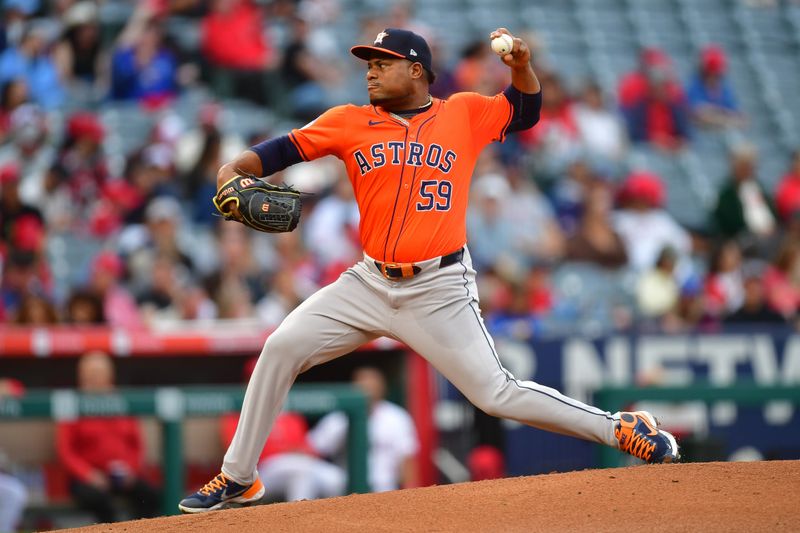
x=644, y=226
x=510, y=228
x=236, y=287
x=657, y=290
x=198, y=147
x=310, y=76
x=787, y=195
x=710, y=94
x=595, y=240
x=104, y=455
x=22, y=241
x=160, y=235
x=200, y=182
x=494, y=292
x=478, y=70
x=392, y=436
x=36, y=310
x=13, y=494
x=237, y=49
x=78, y=175
x=537, y=234
x=445, y=82
x=79, y=54
x=555, y=140
x=331, y=230
x=515, y=320
x=289, y=468
x=147, y=177
x=601, y=130
x=14, y=95
x=143, y=68
x=28, y=137
x=569, y=192
x=490, y=229
x=293, y=256
x=119, y=307
x=755, y=308
x=653, y=63
x=21, y=224
x=30, y=61
x=159, y=301
x=24, y=273
x=689, y=313
x=653, y=103
x=782, y=280
x=16, y=17
x=196, y=304
x=723, y=288
x=83, y=308
x=281, y=299
x=743, y=207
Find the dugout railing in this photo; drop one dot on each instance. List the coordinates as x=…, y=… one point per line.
x=745, y=394
x=172, y=405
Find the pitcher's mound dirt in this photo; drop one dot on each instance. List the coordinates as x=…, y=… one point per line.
x=706, y=497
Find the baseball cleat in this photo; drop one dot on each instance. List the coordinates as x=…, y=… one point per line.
x=219, y=492
x=638, y=434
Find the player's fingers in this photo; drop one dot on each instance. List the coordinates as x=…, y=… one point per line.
x=498, y=32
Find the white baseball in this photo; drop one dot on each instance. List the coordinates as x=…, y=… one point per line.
x=502, y=45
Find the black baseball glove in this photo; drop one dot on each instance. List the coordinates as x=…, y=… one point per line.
x=262, y=206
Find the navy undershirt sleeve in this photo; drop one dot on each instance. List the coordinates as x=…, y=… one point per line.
x=526, y=108
x=276, y=154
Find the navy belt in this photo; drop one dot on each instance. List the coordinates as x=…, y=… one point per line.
x=396, y=271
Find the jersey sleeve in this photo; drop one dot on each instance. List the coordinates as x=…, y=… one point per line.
x=489, y=116
x=322, y=136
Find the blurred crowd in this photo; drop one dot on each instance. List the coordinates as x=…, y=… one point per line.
x=101, y=232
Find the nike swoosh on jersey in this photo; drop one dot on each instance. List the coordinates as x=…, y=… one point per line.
x=376, y=122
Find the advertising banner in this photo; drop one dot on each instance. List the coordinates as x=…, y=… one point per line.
x=721, y=430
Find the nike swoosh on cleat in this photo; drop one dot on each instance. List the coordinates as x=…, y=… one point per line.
x=652, y=431
x=376, y=122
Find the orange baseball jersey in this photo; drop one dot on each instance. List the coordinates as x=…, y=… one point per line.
x=411, y=176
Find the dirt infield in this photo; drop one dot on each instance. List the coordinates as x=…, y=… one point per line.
x=704, y=497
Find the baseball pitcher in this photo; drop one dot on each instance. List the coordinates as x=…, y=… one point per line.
x=409, y=158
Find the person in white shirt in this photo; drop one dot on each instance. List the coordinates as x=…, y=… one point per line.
x=393, y=442
x=601, y=129
x=646, y=228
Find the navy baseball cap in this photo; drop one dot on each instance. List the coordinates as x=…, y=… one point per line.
x=399, y=43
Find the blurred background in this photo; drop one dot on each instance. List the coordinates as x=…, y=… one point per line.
x=641, y=244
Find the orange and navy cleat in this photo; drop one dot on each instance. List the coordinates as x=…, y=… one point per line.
x=219, y=492
x=638, y=434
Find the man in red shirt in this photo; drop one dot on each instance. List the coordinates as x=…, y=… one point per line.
x=653, y=103
x=787, y=197
x=103, y=456
x=233, y=43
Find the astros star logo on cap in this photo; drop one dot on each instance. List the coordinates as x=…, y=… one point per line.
x=379, y=38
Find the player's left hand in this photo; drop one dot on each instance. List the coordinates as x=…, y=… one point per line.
x=520, y=55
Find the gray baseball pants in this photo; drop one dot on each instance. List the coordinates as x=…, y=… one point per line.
x=436, y=314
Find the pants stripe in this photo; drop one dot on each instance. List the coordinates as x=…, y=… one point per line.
x=497, y=358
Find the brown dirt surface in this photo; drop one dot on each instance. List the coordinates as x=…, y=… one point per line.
x=708, y=497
